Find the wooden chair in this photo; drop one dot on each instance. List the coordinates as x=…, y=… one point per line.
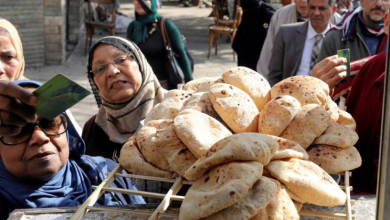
x=93, y=21
x=217, y=30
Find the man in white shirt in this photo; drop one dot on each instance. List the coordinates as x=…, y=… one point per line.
x=297, y=45
x=288, y=14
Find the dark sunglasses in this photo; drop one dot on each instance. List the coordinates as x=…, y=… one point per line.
x=57, y=126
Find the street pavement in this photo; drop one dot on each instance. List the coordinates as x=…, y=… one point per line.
x=193, y=22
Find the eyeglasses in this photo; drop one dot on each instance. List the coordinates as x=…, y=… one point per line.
x=120, y=61
x=57, y=126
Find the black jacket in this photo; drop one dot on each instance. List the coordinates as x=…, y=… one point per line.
x=251, y=33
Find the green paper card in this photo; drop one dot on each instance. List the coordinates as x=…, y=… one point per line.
x=57, y=95
x=345, y=53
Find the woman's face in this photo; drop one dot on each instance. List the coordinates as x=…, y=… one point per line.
x=119, y=82
x=9, y=65
x=138, y=8
x=41, y=157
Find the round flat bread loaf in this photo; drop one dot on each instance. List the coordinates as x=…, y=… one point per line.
x=202, y=103
x=337, y=135
x=294, y=196
x=281, y=207
x=235, y=107
x=193, y=85
x=335, y=160
x=251, y=82
x=306, y=89
x=199, y=131
x=147, y=146
x=205, y=86
x=257, y=198
x=346, y=119
x=133, y=161
x=178, y=156
x=310, y=122
x=219, y=188
x=289, y=149
x=309, y=181
x=171, y=105
x=332, y=108
x=277, y=114
x=237, y=147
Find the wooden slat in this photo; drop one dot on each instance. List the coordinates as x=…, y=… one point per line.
x=82, y=210
x=166, y=201
x=141, y=193
x=347, y=191
x=324, y=214
x=138, y=212
x=153, y=178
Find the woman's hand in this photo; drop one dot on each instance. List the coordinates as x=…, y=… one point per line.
x=330, y=70
x=16, y=108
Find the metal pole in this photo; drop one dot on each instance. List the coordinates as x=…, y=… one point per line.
x=383, y=185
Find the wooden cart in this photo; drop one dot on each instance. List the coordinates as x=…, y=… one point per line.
x=167, y=198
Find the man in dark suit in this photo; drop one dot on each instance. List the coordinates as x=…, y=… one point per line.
x=297, y=45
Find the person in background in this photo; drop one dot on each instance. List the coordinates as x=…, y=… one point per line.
x=291, y=55
x=293, y=13
x=145, y=32
x=361, y=31
x=344, y=6
x=255, y=21
x=16, y=103
x=44, y=166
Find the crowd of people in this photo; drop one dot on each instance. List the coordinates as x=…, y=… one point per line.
x=47, y=163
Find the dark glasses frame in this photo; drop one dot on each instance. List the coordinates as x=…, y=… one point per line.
x=64, y=122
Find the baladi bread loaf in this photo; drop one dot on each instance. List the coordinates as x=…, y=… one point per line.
x=171, y=105
x=147, y=146
x=173, y=150
x=251, y=82
x=337, y=135
x=238, y=147
x=133, y=161
x=277, y=114
x=346, y=119
x=193, y=85
x=235, y=107
x=199, y=131
x=306, y=89
x=332, y=108
x=309, y=181
x=335, y=160
x=257, y=198
x=281, y=207
x=219, y=188
x=205, y=86
x=202, y=103
x=294, y=196
x=310, y=121
x=289, y=149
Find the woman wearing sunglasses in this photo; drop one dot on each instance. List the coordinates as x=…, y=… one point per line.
x=44, y=166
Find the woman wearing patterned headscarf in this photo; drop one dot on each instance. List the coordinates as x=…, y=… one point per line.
x=125, y=89
x=145, y=32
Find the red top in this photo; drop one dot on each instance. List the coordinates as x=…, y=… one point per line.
x=364, y=103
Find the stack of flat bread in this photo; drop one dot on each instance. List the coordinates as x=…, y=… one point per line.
x=254, y=152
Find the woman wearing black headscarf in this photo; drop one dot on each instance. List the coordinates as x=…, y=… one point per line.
x=252, y=31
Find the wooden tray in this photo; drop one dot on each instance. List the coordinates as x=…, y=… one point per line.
x=170, y=196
